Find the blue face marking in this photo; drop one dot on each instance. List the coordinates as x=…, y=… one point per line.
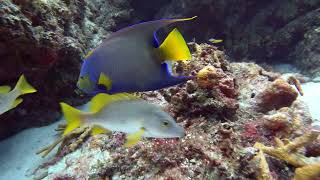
x=88, y=70
x=155, y=40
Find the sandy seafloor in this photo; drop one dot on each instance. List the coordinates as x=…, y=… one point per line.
x=17, y=153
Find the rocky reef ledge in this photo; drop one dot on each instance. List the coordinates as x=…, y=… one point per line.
x=241, y=121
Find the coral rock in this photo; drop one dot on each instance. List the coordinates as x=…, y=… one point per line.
x=277, y=95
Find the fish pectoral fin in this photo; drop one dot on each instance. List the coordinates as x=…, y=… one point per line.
x=134, y=138
x=16, y=102
x=105, y=81
x=99, y=130
x=174, y=47
x=5, y=89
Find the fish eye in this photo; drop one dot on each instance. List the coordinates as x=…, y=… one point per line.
x=165, y=123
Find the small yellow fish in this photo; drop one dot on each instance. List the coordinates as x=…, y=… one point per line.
x=123, y=112
x=215, y=41
x=9, y=99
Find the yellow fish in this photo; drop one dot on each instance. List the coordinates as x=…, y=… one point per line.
x=9, y=99
x=215, y=41
x=126, y=113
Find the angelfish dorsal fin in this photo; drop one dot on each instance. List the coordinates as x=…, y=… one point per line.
x=101, y=100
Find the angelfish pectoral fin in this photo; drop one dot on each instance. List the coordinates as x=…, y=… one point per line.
x=105, y=81
x=134, y=138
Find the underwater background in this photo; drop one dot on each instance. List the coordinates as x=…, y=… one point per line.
x=252, y=112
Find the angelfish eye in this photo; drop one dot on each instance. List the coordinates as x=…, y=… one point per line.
x=165, y=124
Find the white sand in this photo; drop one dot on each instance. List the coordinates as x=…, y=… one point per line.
x=312, y=98
x=17, y=154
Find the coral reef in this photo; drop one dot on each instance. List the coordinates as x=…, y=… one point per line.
x=278, y=94
x=214, y=89
x=51, y=37
x=219, y=112
x=307, y=167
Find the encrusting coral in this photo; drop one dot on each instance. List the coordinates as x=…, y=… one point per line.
x=262, y=164
x=307, y=167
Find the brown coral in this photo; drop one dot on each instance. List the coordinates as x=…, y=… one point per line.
x=308, y=172
x=212, y=94
x=288, y=152
x=307, y=167
x=277, y=95
x=284, y=121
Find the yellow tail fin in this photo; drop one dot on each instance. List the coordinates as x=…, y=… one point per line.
x=174, y=47
x=24, y=86
x=73, y=117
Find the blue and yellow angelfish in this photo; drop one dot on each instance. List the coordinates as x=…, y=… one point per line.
x=131, y=60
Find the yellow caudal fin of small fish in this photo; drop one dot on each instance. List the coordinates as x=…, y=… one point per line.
x=101, y=100
x=134, y=138
x=24, y=87
x=174, y=47
x=4, y=89
x=73, y=117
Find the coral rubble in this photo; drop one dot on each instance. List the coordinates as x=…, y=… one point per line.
x=221, y=113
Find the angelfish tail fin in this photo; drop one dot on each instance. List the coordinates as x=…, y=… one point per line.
x=24, y=87
x=174, y=47
x=74, y=117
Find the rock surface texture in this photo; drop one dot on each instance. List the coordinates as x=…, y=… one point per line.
x=224, y=112
x=46, y=40
x=263, y=31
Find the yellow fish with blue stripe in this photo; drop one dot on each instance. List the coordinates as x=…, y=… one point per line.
x=132, y=60
x=123, y=112
x=9, y=99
